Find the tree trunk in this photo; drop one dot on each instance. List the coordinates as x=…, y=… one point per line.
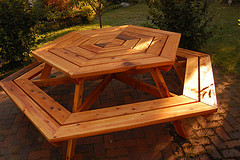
x=100, y=12
x=100, y=19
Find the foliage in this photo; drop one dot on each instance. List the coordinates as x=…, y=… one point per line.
x=67, y=9
x=224, y=46
x=60, y=14
x=191, y=18
x=17, y=35
x=96, y=5
x=127, y=1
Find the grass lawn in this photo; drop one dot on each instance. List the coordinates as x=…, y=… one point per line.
x=224, y=46
x=135, y=15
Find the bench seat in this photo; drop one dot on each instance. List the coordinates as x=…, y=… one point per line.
x=130, y=116
x=106, y=120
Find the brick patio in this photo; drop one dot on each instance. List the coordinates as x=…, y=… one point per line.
x=217, y=137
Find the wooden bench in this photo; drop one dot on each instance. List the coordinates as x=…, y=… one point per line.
x=58, y=124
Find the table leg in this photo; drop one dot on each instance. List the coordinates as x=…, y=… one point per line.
x=76, y=105
x=78, y=95
x=164, y=92
x=46, y=71
x=177, y=67
x=160, y=83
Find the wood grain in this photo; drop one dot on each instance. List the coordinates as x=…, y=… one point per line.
x=124, y=122
x=127, y=109
x=48, y=104
x=42, y=121
x=191, y=81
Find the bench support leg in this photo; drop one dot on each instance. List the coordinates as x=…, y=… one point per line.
x=46, y=71
x=180, y=129
x=177, y=67
x=71, y=149
x=76, y=105
x=163, y=90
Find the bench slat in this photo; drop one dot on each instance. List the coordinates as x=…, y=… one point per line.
x=190, y=52
x=21, y=71
x=191, y=81
x=124, y=122
x=32, y=73
x=127, y=109
x=43, y=122
x=53, y=108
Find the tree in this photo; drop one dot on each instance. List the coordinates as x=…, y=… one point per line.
x=191, y=18
x=97, y=6
x=17, y=35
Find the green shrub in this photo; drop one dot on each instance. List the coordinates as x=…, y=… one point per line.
x=17, y=35
x=60, y=14
x=127, y=1
x=191, y=18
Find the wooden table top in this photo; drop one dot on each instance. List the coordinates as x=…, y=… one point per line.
x=110, y=50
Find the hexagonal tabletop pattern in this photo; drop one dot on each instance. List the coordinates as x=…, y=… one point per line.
x=110, y=50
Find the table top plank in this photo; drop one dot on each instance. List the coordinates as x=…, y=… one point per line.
x=90, y=41
x=68, y=55
x=56, y=41
x=99, y=31
x=79, y=41
x=92, y=48
x=120, y=58
x=131, y=43
x=58, y=62
x=111, y=49
x=149, y=31
x=158, y=42
x=69, y=41
x=116, y=53
x=115, y=42
x=143, y=44
x=120, y=66
x=171, y=46
x=82, y=52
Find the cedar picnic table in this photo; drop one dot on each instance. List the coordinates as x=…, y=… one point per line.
x=112, y=53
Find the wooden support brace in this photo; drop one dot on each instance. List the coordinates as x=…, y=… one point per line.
x=160, y=83
x=46, y=71
x=180, y=129
x=52, y=81
x=95, y=94
x=178, y=68
x=138, y=84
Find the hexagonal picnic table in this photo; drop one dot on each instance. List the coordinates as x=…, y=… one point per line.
x=114, y=52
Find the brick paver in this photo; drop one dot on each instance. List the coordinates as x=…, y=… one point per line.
x=215, y=137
